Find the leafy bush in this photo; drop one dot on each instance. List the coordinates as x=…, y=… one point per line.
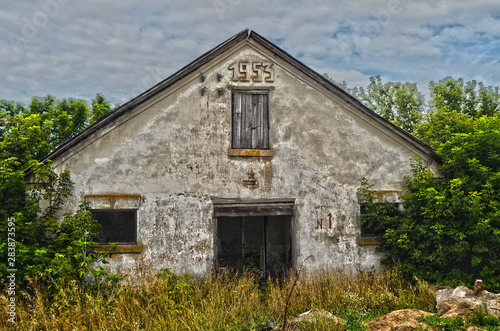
x=478, y=317
x=178, y=290
x=449, y=229
x=50, y=249
x=481, y=317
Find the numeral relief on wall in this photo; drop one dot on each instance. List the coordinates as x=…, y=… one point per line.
x=319, y=223
x=252, y=71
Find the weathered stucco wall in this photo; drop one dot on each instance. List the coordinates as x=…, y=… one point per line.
x=172, y=150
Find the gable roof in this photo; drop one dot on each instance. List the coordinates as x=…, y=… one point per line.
x=218, y=51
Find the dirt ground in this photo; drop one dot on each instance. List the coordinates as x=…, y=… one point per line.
x=400, y=320
x=403, y=320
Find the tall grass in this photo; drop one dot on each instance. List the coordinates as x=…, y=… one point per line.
x=219, y=301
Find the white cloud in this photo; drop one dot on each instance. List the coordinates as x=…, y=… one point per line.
x=121, y=48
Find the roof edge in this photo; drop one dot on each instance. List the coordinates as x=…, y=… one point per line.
x=213, y=53
x=423, y=147
x=129, y=105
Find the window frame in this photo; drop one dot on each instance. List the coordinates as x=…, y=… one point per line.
x=117, y=201
x=103, y=243
x=238, y=149
x=379, y=197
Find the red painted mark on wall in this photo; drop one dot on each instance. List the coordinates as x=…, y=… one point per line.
x=319, y=223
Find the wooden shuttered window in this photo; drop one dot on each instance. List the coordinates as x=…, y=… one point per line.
x=250, y=113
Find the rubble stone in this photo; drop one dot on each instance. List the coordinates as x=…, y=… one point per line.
x=461, y=300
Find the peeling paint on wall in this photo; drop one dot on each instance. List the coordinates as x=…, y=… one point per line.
x=172, y=151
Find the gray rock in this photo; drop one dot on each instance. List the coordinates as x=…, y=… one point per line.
x=461, y=300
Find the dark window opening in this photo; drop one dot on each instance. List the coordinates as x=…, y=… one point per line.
x=117, y=226
x=370, y=228
x=369, y=231
x=256, y=242
x=250, y=120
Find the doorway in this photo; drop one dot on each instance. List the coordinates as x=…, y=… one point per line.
x=253, y=237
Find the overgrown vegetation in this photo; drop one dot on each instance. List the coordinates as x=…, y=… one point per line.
x=31, y=132
x=227, y=301
x=52, y=250
x=479, y=317
x=449, y=229
x=224, y=301
x=448, y=232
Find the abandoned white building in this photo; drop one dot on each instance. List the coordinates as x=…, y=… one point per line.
x=245, y=154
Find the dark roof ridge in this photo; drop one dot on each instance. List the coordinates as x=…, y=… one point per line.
x=129, y=105
x=213, y=53
x=346, y=96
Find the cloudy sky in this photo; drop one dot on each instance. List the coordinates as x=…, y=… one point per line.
x=71, y=48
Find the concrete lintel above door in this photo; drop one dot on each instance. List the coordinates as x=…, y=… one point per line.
x=238, y=207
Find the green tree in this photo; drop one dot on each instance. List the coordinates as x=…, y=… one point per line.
x=26, y=137
x=55, y=248
x=453, y=108
x=470, y=98
x=56, y=251
x=400, y=103
x=342, y=85
x=100, y=107
x=31, y=133
x=67, y=117
x=441, y=125
x=449, y=229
